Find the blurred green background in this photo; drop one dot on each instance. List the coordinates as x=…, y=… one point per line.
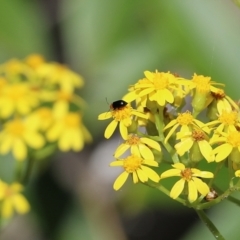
x=111, y=43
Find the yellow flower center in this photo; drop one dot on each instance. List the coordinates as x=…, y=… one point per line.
x=228, y=118
x=15, y=127
x=202, y=83
x=122, y=113
x=186, y=174
x=133, y=140
x=132, y=163
x=72, y=120
x=185, y=118
x=198, y=135
x=162, y=80
x=234, y=139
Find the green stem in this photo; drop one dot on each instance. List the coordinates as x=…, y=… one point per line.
x=201, y=214
x=28, y=171
x=160, y=125
x=164, y=190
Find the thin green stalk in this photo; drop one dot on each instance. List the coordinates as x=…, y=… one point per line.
x=212, y=228
x=169, y=148
x=164, y=190
x=28, y=171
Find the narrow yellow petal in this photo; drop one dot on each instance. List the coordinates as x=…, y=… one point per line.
x=202, y=187
x=177, y=188
x=206, y=150
x=151, y=143
x=121, y=179
x=123, y=131
x=192, y=191
x=110, y=129
x=121, y=149
x=146, y=152
x=171, y=173
x=104, y=116
x=141, y=175
x=151, y=174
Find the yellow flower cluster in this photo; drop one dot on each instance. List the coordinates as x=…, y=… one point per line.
x=38, y=105
x=159, y=122
x=39, y=111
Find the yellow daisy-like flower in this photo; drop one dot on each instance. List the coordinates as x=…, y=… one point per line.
x=61, y=75
x=17, y=135
x=186, y=122
x=17, y=98
x=197, y=142
x=158, y=86
x=69, y=132
x=123, y=116
x=11, y=199
x=191, y=177
x=138, y=146
x=226, y=120
x=135, y=165
x=230, y=146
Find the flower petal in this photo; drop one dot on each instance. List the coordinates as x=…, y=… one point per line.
x=121, y=179
x=192, y=191
x=151, y=174
x=177, y=188
x=110, y=129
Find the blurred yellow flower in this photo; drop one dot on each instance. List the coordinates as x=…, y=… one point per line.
x=140, y=146
x=11, y=199
x=192, y=177
x=134, y=165
x=17, y=98
x=59, y=75
x=17, y=135
x=69, y=132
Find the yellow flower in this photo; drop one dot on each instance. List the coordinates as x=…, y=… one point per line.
x=60, y=75
x=43, y=117
x=230, y=146
x=17, y=98
x=138, y=146
x=226, y=120
x=17, y=135
x=197, y=143
x=11, y=199
x=203, y=87
x=186, y=121
x=191, y=177
x=135, y=165
x=157, y=86
x=69, y=132
x=223, y=102
x=123, y=116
